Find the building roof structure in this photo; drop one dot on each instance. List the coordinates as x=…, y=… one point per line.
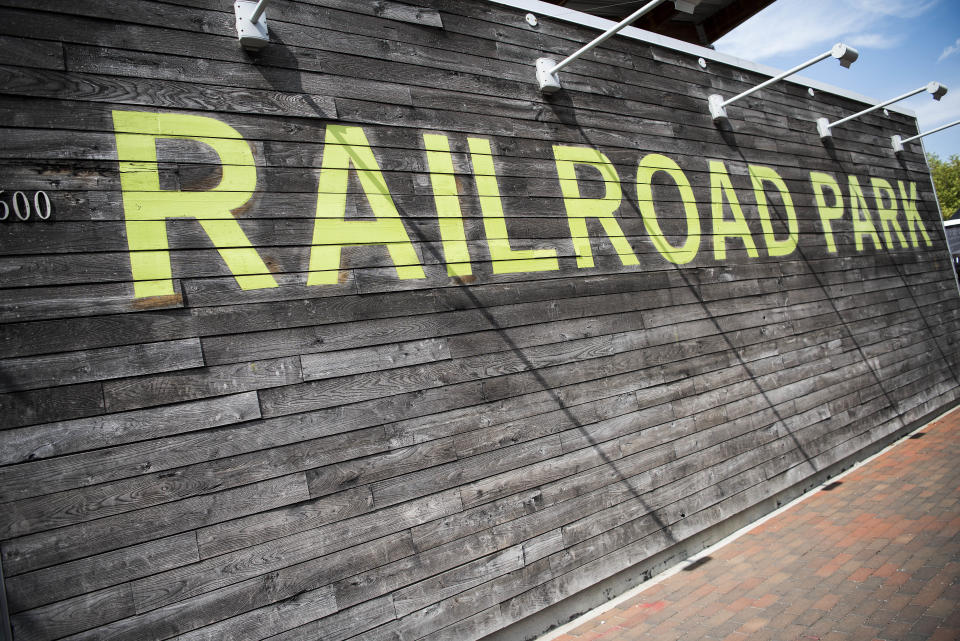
x=710, y=21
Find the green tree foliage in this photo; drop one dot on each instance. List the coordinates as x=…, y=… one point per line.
x=946, y=180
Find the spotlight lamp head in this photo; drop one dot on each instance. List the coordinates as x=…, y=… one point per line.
x=718, y=106
x=845, y=54
x=937, y=90
x=547, y=78
x=899, y=142
x=251, y=22
x=686, y=6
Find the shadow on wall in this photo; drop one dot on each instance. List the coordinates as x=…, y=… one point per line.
x=5, y=629
x=561, y=109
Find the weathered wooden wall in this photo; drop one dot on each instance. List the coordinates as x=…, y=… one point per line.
x=419, y=458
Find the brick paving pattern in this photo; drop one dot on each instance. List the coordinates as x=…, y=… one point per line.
x=874, y=556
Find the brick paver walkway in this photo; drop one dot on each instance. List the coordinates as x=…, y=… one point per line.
x=875, y=555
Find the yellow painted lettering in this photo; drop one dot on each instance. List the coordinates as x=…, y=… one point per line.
x=446, y=197
x=909, y=204
x=775, y=247
x=828, y=213
x=346, y=147
x=862, y=220
x=146, y=207
x=883, y=193
x=720, y=186
x=579, y=208
x=649, y=166
x=504, y=259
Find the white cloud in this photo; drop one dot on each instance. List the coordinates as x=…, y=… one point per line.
x=949, y=51
x=875, y=41
x=896, y=8
x=788, y=26
x=931, y=113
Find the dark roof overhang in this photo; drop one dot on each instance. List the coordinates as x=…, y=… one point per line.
x=711, y=20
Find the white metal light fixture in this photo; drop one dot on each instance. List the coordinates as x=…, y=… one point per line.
x=252, y=24
x=899, y=142
x=548, y=68
x=846, y=55
x=824, y=126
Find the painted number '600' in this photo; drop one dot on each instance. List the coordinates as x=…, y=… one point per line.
x=22, y=208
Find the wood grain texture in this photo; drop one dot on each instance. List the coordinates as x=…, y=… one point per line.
x=66, y=437
x=43, y=549
x=185, y=385
x=89, y=574
x=20, y=374
x=406, y=459
x=51, y=404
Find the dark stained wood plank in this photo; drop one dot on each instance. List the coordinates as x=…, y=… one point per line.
x=184, y=582
x=457, y=608
x=357, y=621
x=79, y=613
x=167, y=94
x=23, y=339
x=476, y=626
x=298, y=441
x=93, y=573
x=423, y=482
x=371, y=359
x=457, y=580
x=408, y=13
x=556, y=416
x=51, y=404
x=66, y=437
x=40, y=550
x=32, y=53
x=307, y=605
x=313, y=545
x=36, y=303
x=35, y=372
x=362, y=471
x=158, y=389
x=282, y=531
x=286, y=595
x=211, y=292
x=78, y=502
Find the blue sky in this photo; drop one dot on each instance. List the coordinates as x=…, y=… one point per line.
x=903, y=45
